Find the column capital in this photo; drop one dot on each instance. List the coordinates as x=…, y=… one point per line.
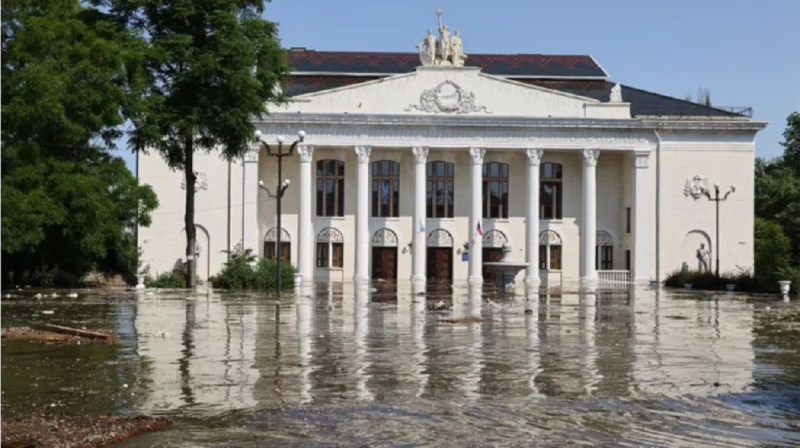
x=306, y=152
x=477, y=155
x=534, y=156
x=420, y=153
x=363, y=153
x=590, y=156
x=641, y=159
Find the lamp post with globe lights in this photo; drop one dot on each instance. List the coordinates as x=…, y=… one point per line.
x=279, y=152
x=717, y=199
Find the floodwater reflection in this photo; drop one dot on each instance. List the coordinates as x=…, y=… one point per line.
x=351, y=364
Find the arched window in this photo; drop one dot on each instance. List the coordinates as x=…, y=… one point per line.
x=604, y=252
x=440, y=189
x=549, y=251
x=385, y=189
x=330, y=248
x=495, y=190
x=271, y=242
x=550, y=193
x=330, y=188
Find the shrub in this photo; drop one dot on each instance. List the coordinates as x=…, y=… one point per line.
x=172, y=279
x=242, y=272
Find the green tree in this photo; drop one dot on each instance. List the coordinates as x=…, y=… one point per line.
x=67, y=203
x=791, y=143
x=210, y=68
x=772, y=248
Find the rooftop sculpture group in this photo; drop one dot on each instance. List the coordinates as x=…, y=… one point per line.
x=443, y=51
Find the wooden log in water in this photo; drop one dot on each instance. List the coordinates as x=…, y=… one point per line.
x=78, y=332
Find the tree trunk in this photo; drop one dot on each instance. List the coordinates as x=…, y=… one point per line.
x=191, y=232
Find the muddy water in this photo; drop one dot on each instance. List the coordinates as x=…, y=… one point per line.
x=344, y=366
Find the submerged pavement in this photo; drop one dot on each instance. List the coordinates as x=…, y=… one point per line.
x=338, y=365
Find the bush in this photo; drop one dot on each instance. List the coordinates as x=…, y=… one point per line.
x=240, y=273
x=745, y=281
x=173, y=279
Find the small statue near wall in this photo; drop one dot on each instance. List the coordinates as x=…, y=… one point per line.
x=703, y=258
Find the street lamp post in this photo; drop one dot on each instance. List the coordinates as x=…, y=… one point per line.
x=717, y=199
x=281, y=189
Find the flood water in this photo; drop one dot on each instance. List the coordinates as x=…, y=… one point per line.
x=344, y=366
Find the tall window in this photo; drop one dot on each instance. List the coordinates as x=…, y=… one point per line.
x=271, y=245
x=550, y=193
x=604, y=252
x=628, y=220
x=440, y=189
x=495, y=190
x=385, y=189
x=330, y=248
x=330, y=188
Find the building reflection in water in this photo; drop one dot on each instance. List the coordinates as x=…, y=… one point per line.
x=325, y=344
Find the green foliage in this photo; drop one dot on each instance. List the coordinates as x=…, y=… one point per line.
x=172, y=279
x=777, y=185
x=239, y=273
x=206, y=69
x=772, y=249
x=67, y=203
x=707, y=281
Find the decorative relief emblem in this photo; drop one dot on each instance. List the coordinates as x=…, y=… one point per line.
x=549, y=238
x=272, y=235
x=447, y=98
x=330, y=235
x=603, y=238
x=384, y=238
x=439, y=238
x=696, y=187
x=200, y=181
x=494, y=238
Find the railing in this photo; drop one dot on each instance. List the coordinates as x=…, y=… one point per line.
x=613, y=278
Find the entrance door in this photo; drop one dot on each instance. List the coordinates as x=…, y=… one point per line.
x=491, y=254
x=440, y=264
x=384, y=263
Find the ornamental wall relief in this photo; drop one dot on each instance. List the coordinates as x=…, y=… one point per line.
x=200, y=181
x=447, y=98
x=696, y=187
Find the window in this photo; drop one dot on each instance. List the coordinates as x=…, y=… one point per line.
x=385, y=189
x=330, y=188
x=627, y=259
x=604, y=251
x=550, y=193
x=495, y=190
x=549, y=251
x=628, y=220
x=604, y=258
x=440, y=188
x=330, y=248
x=270, y=250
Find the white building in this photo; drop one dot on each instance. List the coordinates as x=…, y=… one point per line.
x=413, y=171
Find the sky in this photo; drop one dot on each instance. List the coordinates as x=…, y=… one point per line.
x=746, y=52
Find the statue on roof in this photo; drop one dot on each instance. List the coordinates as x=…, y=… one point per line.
x=442, y=51
x=616, y=94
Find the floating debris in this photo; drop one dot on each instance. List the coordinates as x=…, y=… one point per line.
x=463, y=320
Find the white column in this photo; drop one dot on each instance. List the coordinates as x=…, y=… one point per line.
x=589, y=218
x=532, y=217
x=475, y=240
x=250, y=200
x=641, y=224
x=418, y=226
x=305, y=236
x=362, y=214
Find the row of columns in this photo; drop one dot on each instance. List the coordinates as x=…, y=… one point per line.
x=588, y=273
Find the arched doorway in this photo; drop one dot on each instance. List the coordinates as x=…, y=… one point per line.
x=440, y=256
x=384, y=255
x=271, y=245
x=493, y=242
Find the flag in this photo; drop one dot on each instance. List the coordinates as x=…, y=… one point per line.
x=478, y=230
x=421, y=227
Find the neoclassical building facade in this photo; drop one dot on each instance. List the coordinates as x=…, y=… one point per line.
x=423, y=171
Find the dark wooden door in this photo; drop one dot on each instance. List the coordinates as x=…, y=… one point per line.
x=384, y=263
x=440, y=264
x=491, y=254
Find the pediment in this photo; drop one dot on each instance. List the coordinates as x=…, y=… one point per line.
x=451, y=91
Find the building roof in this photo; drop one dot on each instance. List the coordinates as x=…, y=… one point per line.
x=519, y=65
x=315, y=71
